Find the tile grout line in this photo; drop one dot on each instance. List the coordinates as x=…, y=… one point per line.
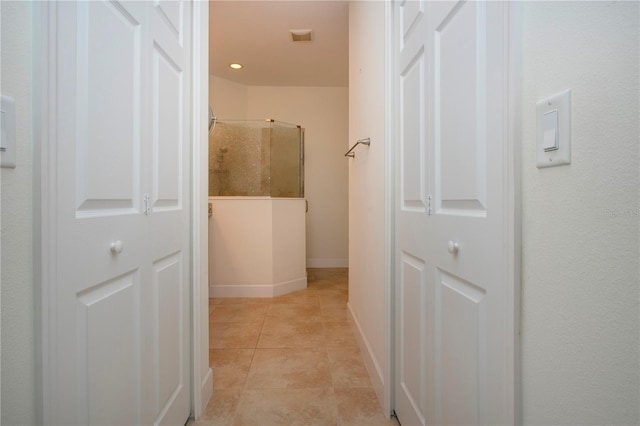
x=253, y=356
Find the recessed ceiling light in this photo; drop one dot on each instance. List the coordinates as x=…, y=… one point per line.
x=235, y=66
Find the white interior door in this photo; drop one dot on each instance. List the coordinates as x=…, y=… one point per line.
x=453, y=341
x=120, y=307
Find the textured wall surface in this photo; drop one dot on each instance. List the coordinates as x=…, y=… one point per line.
x=18, y=362
x=580, y=222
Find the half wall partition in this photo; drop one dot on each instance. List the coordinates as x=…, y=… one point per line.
x=256, y=195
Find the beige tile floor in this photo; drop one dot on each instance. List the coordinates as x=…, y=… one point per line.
x=290, y=360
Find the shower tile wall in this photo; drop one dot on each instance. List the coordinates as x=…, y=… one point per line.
x=239, y=160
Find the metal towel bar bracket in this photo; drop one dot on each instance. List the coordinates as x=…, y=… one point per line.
x=365, y=141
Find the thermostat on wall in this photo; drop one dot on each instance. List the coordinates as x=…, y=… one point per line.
x=553, y=119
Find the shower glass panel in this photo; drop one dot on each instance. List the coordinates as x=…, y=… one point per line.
x=286, y=160
x=256, y=158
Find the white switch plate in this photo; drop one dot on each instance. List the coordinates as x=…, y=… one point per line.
x=8, y=132
x=561, y=103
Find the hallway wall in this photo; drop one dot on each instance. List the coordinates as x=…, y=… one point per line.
x=580, y=267
x=19, y=403
x=323, y=113
x=367, y=261
x=227, y=98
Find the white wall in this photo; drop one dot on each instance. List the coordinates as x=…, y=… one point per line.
x=18, y=337
x=202, y=371
x=580, y=222
x=367, y=183
x=256, y=246
x=323, y=113
x=227, y=98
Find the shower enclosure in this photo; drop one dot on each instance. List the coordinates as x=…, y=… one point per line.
x=256, y=196
x=256, y=158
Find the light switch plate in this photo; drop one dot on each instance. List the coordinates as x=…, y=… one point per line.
x=8, y=132
x=560, y=103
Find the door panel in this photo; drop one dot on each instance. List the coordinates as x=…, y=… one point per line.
x=113, y=30
x=169, y=321
x=170, y=49
x=413, y=328
x=122, y=174
x=411, y=12
x=460, y=105
x=108, y=351
x=462, y=327
x=168, y=131
x=412, y=109
x=451, y=301
x=172, y=13
x=412, y=335
x=169, y=215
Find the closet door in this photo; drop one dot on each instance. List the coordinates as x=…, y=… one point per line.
x=414, y=368
x=120, y=306
x=454, y=315
x=169, y=201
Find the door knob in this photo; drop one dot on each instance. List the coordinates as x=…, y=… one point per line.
x=116, y=247
x=452, y=247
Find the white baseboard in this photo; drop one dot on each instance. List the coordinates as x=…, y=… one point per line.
x=206, y=391
x=370, y=360
x=258, y=290
x=328, y=263
x=290, y=286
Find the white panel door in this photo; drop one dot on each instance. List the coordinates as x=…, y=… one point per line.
x=452, y=338
x=121, y=301
x=414, y=372
x=170, y=117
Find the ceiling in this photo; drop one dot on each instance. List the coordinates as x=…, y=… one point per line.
x=256, y=35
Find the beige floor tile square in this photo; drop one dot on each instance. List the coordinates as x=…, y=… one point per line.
x=338, y=298
x=234, y=335
x=330, y=291
x=289, y=368
x=339, y=334
x=334, y=313
x=360, y=407
x=221, y=408
x=347, y=368
x=290, y=334
x=294, y=312
x=302, y=296
x=275, y=407
x=238, y=313
x=230, y=367
x=321, y=284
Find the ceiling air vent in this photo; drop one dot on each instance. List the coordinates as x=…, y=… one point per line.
x=300, y=35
